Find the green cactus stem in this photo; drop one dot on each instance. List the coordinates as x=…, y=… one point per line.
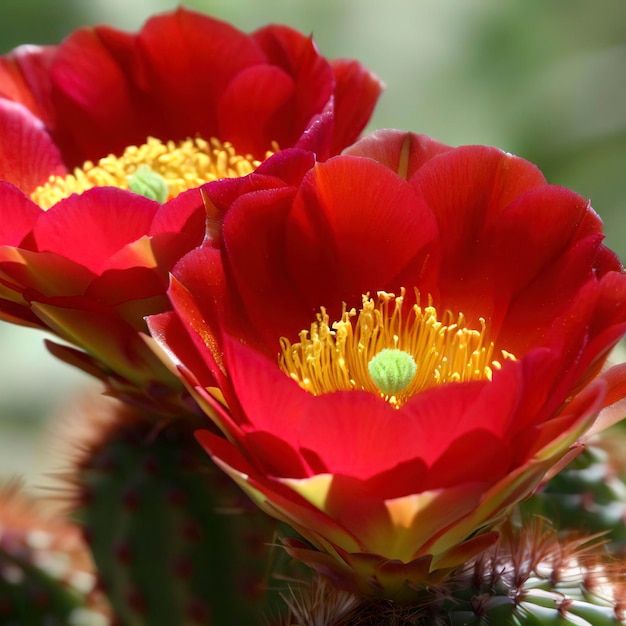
x=529, y=578
x=589, y=495
x=174, y=540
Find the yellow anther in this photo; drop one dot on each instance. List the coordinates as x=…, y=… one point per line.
x=183, y=165
x=338, y=356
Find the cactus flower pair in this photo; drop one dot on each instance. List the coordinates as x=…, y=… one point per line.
x=113, y=117
x=397, y=344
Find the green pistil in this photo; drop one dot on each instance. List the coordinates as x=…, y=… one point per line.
x=392, y=370
x=146, y=182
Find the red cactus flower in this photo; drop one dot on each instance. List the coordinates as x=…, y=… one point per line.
x=157, y=113
x=90, y=268
x=184, y=75
x=398, y=345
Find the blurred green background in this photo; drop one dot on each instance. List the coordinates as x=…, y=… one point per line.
x=544, y=79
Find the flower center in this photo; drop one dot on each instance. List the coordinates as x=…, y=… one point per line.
x=155, y=169
x=387, y=351
x=392, y=370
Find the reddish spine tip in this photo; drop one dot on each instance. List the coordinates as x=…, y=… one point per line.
x=198, y=611
x=130, y=499
x=123, y=552
x=183, y=567
x=136, y=601
x=176, y=497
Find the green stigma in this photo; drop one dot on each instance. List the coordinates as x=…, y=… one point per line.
x=392, y=370
x=148, y=183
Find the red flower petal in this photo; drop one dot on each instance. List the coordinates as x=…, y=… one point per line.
x=24, y=78
x=546, y=220
x=168, y=330
x=193, y=335
x=276, y=497
x=493, y=461
x=248, y=105
x=183, y=214
x=467, y=190
x=44, y=273
x=95, y=117
x=179, y=62
x=356, y=95
x=298, y=56
x=400, y=528
x=401, y=152
x=331, y=435
x=112, y=217
x=29, y=156
x=614, y=405
x=121, y=348
x=255, y=238
x=374, y=228
x=305, y=421
x=115, y=287
x=563, y=292
x=19, y=215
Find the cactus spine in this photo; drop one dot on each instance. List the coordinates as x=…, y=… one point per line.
x=589, y=495
x=529, y=578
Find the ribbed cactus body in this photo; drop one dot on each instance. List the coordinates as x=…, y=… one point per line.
x=174, y=541
x=533, y=579
x=538, y=602
x=528, y=579
x=589, y=495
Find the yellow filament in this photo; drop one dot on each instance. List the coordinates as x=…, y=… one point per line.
x=332, y=357
x=183, y=165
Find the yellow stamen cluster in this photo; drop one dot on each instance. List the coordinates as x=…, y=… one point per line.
x=331, y=357
x=183, y=165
